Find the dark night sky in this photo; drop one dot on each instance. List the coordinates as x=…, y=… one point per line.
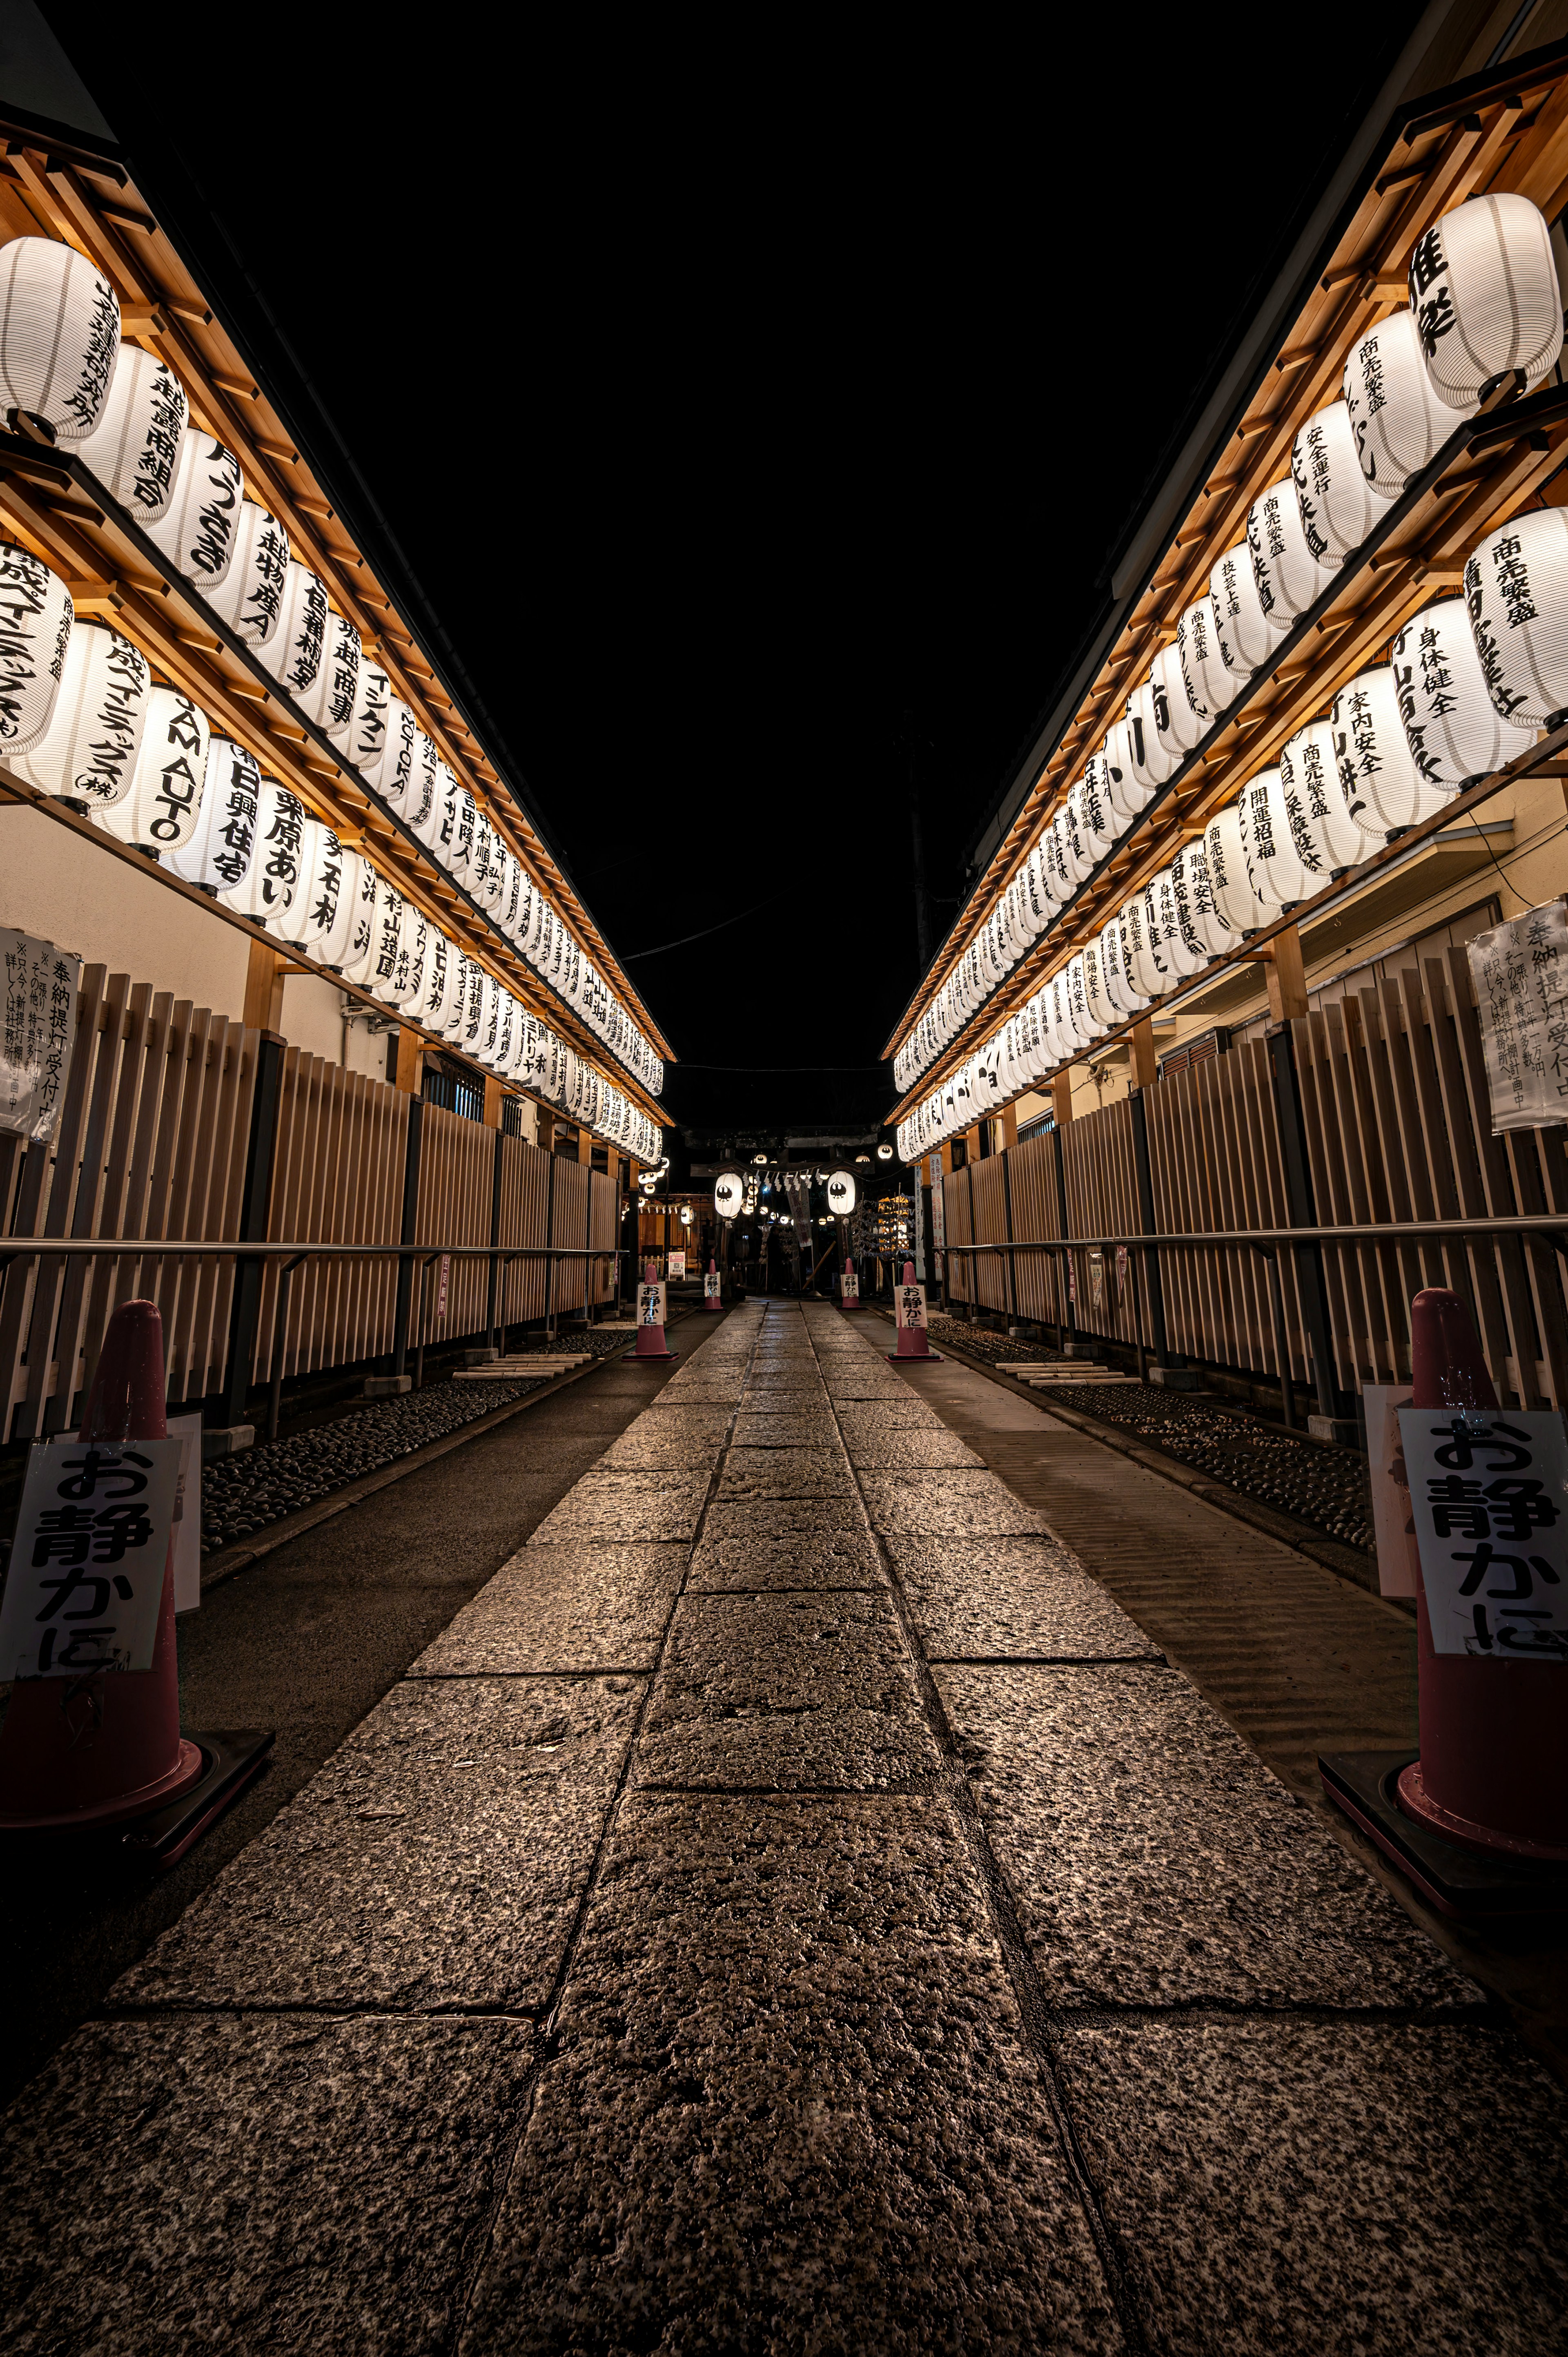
x=742, y=413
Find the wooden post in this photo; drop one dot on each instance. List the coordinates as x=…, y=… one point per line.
x=1286, y=976
x=492, y=1103
x=264, y=989
x=1009, y=1126
x=971, y=1143
x=410, y=1065
x=1061, y=1098
x=585, y=1144
x=1145, y=1070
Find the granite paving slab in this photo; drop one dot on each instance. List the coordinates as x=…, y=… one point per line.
x=1028, y=1598
x=645, y=1448
x=259, y=2185
x=874, y=1384
x=767, y=1473
x=794, y=2108
x=724, y=1391
x=765, y=1519
x=784, y=1692
x=803, y=1428
x=840, y=1558
x=616, y=1508
x=1347, y=2188
x=892, y=1450
x=940, y=1504
x=562, y=1607
x=436, y=1859
x=908, y=1413
x=763, y=1382
x=1155, y=1860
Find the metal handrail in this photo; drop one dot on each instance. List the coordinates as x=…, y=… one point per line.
x=171, y=1247
x=1549, y=1225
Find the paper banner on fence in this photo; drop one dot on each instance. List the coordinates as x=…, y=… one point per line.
x=40, y=985
x=85, y=1579
x=186, y=1430
x=1521, y=974
x=1390, y=1500
x=1489, y=1497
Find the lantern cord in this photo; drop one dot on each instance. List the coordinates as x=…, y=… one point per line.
x=659, y=947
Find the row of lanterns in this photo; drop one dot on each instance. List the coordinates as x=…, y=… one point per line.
x=1484, y=300
x=78, y=700
x=1400, y=741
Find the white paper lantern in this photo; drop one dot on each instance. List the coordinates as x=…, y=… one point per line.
x=1248, y=636
x=266, y=890
x=133, y=449
x=456, y=853
x=60, y=337
x=1211, y=685
x=415, y=939
x=1483, y=287
x=1326, y=836
x=1203, y=922
x=455, y=1014
x=398, y=767
x=1273, y=864
x=1078, y=853
x=378, y=972
x=486, y=886
x=1151, y=967
x=1180, y=729
x=199, y=530
x=1154, y=758
x=1516, y=584
x=1454, y=730
x=1125, y=792
x=249, y=598
x=1383, y=788
x=1399, y=422
x=485, y=1043
x=367, y=739
x=1227, y=864
x=440, y=818
x=87, y=753
x=473, y=1026
x=319, y=917
x=503, y=915
x=1038, y=905
x=359, y=951
x=1185, y=953
x=336, y=695
x=160, y=806
x=1288, y=575
x=1102, y=1008
x=1116, y=969
x=1339, y=505
x=294, y=651
x=219, y=849
x=440, y=972
x=35, y=616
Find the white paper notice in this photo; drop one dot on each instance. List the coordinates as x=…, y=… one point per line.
x=711, y=1283
x=650, y=1304
x=39, y=986
x=1521, y=974
x=1488, y=1492
x=186, y=1430
x=849, y=1285
x=676, y=1264
x=1390, y=1500
x=86, y=1574
x=911, y=1304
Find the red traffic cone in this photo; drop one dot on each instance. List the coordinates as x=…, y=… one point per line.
x=912, y=1310
x=849, y=1287
x=1493, y=1771
x=94, y=1749
x=711, y=1289
x=650, y=1342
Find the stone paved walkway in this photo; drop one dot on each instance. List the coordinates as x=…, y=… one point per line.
x=792, y=1908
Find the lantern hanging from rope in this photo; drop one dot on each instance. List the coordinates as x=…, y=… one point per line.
x=1148, y=724
x=317, y=915
x=134, y=448
x=60, y=340
x=1289, y=576
x=1399, y=422
x=249, y=598
x=1483, y=287
x=1211, y=685
x=1180, y=729
x=1277, y=877
x=1455, y=731
x=367, y=739
x=358, y=958
x=1516, y=584
x=1185, y=953
x=1226, y=859
x=295, y=651
x=266, y=892
x=1383, y=788
x=1115, y=970
x=199, y=530
x=1150, y=971
x=1339, y=503
x=395, y=772
x=35, y=616
x=440, y=968
x=87, y=753
x=217, y=852
x=160, y=806
x=1326, y=837
x=1203, y=922
x=1125, y=793
x=439, y=820
x=336, y=695
x=1247, y=635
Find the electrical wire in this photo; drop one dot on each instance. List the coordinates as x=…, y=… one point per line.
x=659, y=947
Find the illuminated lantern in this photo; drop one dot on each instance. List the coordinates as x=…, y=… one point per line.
x=1148, y=730
x=440, y=975
x=360, y=952
x=1125, y=792
x=414, y=940
x=1288, y=575
x=1182, y=951
x=266, y=890
x=1226, y=859
x=160, y=806
x=1248, y=636
x=1399, y=422
x=1325, y=836
x=59, y=337
x=456, y=852
x=199, y=530
x=218, y=851
x=1037, y=901
x=1202, y=920
x=1102, y=1005
x=419, y=795
x=87, y=753
x=395, y=772
x=486, y=883
x=1483, y=287
x=454, y=1016
x=1383, y=788
x=337, y=696
x=1116, y=969
x=1455, y=732
x=1089, y=1025
x=1274, y=871
x=393, y=938
x=1211, y=685
x=1178, y=727
x=474, y=1012
x=1516, y=584
x=503, y=915
x=134, y=447
x=1339, y=503
x=249, y=598
x=35, y=616
x=367, y=739
x=1082, y=852
x=295, y=649
x=436, y=827
x=486, y=1036
x=1148, y=973
x=321, y=916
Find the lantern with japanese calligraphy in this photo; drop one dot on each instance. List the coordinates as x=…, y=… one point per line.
x=216, y=855
x=160, y=805
x=419, y=794
x=266, y=890
x=318, y=920
x=1190, y=950
x=1247, y=635
x=35, y=629
x=1076, y=849
x=395, y=926
x=1273, y=865
x=1103, y=1011
x=1179, y=728
x=1397, y=420
x=358, y=960
x=1116, y=969
x=393, y=775
x=1383, y=789
x=1148, y=718
x=414, y=936
x=1183, y=952
x=1483, y=287
x=1202, y=919
x=87, y=753
x=1289, y=576
x=1125, y=792
x=1148, y=976
x=199, y=530
x=336, y=694
x=294, y=651
x=1326, y=838
x=249, y=598
x=503, y=915
x=60, y=338
x=134, y=448
x=440, y=819
x=1455, y=731
x=448, y=1019
x=1211, y=685
x=1339, y=503
x=1516, y=584
x=455, y=852
x=367, y=739
x=440, y=970
x=1227, y=863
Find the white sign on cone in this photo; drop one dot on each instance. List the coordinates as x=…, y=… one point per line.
x=86, y=1575
x=711, y=1285
x=911, y=1305
x=1489, y=1493
x=850, y=1284
x=650, y=1304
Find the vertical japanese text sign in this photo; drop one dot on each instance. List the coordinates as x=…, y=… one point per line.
x=711, y=1282
x=1521, y=974
x=911, y=1305
x=40, y=986
x=650, y=1304
x=850, y=1281
x=86, y=1573
x=1487, y=1493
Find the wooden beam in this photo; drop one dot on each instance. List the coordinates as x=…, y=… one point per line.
x=1061, y=1098
x=1145, y=1069
x=410, y=1061
x=264, y=989
x=1285, y=976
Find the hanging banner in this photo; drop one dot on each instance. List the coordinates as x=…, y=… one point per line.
x=1489, y=1496
x=40, y=985
x=186, y=1430
x=86, y=1573
x=1521, y=974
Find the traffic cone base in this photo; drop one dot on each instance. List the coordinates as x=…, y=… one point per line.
x=1417, y=1802
x=186, y=1772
